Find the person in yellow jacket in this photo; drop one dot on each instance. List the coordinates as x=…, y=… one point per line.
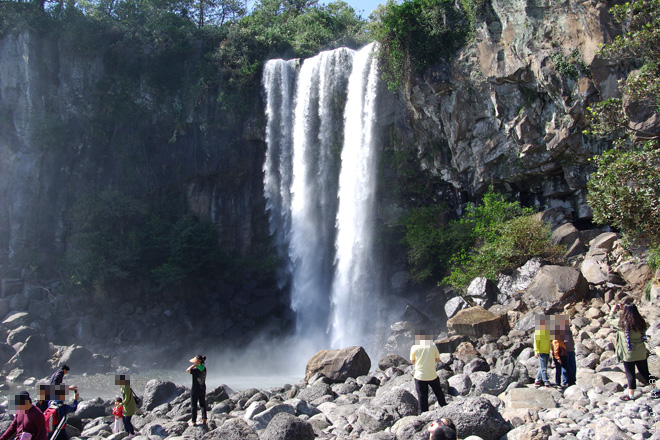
x=424, y=354
x=542, y=339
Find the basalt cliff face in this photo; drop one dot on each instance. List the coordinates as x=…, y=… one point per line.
x=509, y=111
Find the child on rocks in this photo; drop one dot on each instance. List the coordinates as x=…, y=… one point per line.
x=542, y=349
x=118, y=412
x=559, y=353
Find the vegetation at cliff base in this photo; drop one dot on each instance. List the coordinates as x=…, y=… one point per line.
x=492, y=237
x=625, y=190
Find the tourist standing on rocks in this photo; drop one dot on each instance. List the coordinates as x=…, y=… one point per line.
x=198, y=389
x=559, y=354
x=28, y=420
x=118, y=412
x=569, y=371
x=542, y=349
x=128, y=400
x=58, y=376
x=630, y=347
x=58, y=411
x=424, y=354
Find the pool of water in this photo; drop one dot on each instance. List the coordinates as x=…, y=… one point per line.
x=103, y=385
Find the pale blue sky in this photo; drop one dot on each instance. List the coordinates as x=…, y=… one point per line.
x=363, y=7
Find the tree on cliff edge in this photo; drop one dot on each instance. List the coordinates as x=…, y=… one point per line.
x=625, y=191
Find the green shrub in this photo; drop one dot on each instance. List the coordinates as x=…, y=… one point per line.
x=507, y=246
x=416, y=34
x=432, y=241
x=625, y=191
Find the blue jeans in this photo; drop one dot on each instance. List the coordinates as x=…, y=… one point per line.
x=568, y=371
x=542, y=375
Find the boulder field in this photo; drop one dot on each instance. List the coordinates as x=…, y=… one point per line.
x=487, y=368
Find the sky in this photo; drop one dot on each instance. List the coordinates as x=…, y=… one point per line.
x=363, y=7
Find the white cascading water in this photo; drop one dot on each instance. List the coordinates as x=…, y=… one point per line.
x=357, y=281
x=278, y=82
x=309, y=142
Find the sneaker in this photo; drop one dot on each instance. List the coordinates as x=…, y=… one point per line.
x=626, y=398
x=538, y=384
x=547, y=385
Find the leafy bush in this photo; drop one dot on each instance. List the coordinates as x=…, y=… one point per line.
x=625, y=191
x=507, y=246
x=415, y=34
x=432, y=241
x=572, y=67
x=492, y=237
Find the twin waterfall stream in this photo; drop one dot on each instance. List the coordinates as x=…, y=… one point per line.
x=320, y=187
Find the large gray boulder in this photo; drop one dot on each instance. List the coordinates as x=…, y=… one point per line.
x=489, y=383
x=477, y=321
x=20, y=334
x=157, y=392
x=6, y=353
x=518, y=281
x=474, y=416
x=455, y=305
x=386, y=409
x=339, y=365
x=553, y=284
x=263, y=418
x=316, y=391
x=285, y=426
x=91, y=409
x=16, y=319
x=33, y=356
x=483, y=292
x=232, y=429
x=392, y=360
x=82, y=359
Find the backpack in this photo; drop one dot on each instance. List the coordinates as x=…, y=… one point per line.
x=54, y=424
x=138, y=400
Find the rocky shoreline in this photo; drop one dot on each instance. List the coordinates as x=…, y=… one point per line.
x=486, y=369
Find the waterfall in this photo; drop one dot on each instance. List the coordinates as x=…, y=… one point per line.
x=312, y=139
x=357, y=281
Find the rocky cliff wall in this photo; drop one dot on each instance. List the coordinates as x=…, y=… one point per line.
x=73, y=121
x=510, y=110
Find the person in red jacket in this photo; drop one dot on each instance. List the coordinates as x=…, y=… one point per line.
x=29, y=422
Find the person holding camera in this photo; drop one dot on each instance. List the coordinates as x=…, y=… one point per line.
x=630, y=345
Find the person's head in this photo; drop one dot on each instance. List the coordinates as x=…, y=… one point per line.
x=60, y=392
x=45, y=392
x=443, y=433
x=118, y=401
x=421, y=335
x=65, y=369
x=631, y=319
x=199, y=359
x=22, y=401
x=122, y=379
x=444, y=422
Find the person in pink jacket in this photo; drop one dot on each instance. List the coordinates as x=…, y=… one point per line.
x=28, y=423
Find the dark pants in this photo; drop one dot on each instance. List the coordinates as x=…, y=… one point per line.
x=422, y=388
x=201, y=398
x=569, y=370
x=642, y=367
x=559, y=366
x=128, y=426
